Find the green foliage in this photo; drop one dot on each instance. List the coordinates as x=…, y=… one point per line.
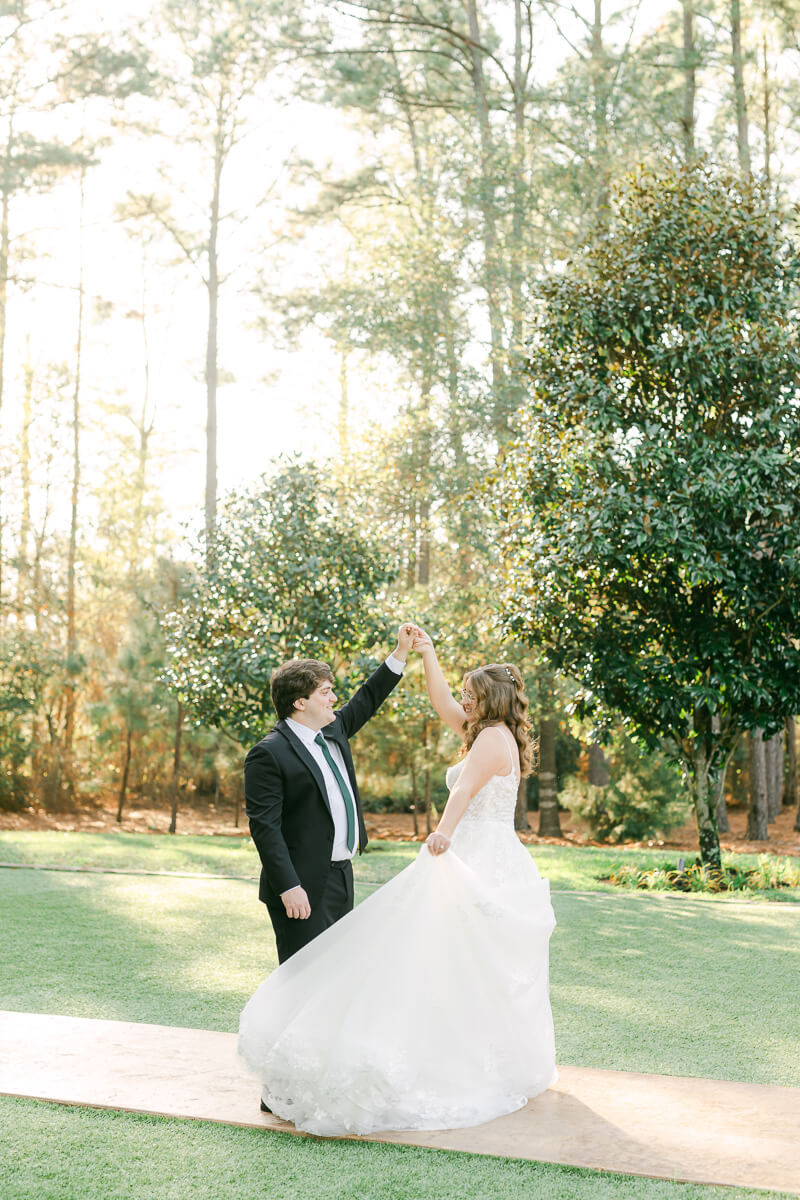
x=17, y=700
x=289, y=576
x=401, y=743
x=136, y=696
x=644, y=798
x=769, y=875
x=26, y=669
x=652, y=502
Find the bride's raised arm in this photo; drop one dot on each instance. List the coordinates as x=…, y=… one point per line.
x=439, y=692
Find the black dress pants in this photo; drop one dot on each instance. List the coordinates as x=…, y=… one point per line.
x=292, y=933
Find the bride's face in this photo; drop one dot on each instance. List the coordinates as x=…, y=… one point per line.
x=468, y=702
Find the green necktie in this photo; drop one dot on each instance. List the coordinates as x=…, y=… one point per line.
x=349, y=807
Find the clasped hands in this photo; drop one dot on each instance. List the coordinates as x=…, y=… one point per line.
x=411, y=638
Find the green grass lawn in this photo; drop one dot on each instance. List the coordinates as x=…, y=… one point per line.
x=57, y=1153
x=567, y=867
x=669, y=984
x=132, y=851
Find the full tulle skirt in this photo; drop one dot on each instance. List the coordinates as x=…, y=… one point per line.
x=427, y=1007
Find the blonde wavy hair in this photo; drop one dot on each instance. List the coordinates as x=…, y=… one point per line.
x=500, y=699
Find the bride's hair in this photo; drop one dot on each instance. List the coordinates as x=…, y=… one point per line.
x=500, y=698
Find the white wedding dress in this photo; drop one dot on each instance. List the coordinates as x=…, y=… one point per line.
x=428, y=1006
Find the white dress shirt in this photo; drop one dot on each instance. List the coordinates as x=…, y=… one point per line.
x=335, y=799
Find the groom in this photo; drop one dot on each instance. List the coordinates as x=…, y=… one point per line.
x=302, y=797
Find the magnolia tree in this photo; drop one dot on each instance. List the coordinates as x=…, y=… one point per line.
x=652, y=501
x=289, y=577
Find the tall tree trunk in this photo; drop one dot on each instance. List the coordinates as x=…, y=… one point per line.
x=704, y=789
x=723, y=822
x=689, y=81
x=123, y=787
x=549, y=820
x=211, y=350
x=343, y=422
x=5, y=193
x=427, y=799
x=38, y=750
x=414, y=799
x=238, y=788
x=5, y=199
x=144, y=430
x=23, y=572
x=780, y=768
x=740, y=99
x=424, y=475
x=421, y=419
x=793, y=791
x=791, y=796
x=521, y=821
x=455, y=430
x=176, y=768
x=766, y=111
x=413, y=527
x=463, y=516
x=492, y=269
x=600, y=77
x=519, y=195
x=599, y=775
x=773, y=752
x=757, y=812
x=72, y=635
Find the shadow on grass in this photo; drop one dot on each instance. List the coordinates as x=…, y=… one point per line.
x=167, y=951
x=698, y=989
x=218, y=855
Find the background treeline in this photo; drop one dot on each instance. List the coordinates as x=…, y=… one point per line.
x=165, y=231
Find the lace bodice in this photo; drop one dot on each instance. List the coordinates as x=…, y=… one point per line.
x=495, y=801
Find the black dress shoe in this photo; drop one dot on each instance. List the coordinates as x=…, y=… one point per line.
x=264, y=1107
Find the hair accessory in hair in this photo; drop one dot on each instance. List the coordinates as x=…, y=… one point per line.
x=509, y=674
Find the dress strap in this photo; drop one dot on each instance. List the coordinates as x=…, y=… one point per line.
x=510, y=755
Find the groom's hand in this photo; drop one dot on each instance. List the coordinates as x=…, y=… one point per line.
x=295, y=901
x=405, y=638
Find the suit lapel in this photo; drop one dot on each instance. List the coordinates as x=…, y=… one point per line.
x=306, y=758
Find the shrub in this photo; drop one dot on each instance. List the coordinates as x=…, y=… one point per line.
x=644, y=798
x=770, y=874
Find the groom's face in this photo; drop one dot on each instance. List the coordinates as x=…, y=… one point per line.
x=317, y=709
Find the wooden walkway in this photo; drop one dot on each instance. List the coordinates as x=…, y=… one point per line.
x=694, y=1130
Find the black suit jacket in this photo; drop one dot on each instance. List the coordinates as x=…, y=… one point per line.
x=287, y=805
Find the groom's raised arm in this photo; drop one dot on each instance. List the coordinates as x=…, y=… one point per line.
x=373, y=691
x=263, y=797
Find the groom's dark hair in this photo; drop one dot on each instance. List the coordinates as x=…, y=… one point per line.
x=294, y=680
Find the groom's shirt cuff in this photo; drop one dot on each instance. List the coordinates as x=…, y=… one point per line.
x=394, y=664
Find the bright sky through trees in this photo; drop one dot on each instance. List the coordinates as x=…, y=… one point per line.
x=271, y=399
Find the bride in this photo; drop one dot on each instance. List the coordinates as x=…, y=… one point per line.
x=427, y=1006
